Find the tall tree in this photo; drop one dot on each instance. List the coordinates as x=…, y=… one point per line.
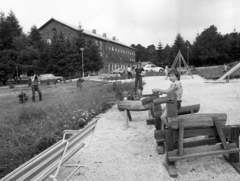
x=36, y=38
x=92, y=58
x=160, y=55
x=12, y=29
x=152, y=54
x=178, y=44
x=210, y=47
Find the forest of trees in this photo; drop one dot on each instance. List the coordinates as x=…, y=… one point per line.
x=22, y=53
x=209, y=48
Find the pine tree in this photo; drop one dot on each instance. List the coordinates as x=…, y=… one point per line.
x=12, y=29
x=160, y=54
x=36, y=38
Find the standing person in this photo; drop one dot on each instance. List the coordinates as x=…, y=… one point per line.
x=129, y=71
x=166, y=69
x=225, y=67
x=175, y=87
x=139, y=73
x=35, y=87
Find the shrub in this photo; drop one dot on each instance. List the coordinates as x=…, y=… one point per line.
x=11, y=86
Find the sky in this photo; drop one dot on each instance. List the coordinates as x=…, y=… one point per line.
x=144, y=22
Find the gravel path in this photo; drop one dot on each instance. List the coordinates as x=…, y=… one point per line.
x=129, y=154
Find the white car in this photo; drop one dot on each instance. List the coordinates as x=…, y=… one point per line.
x=153, y=68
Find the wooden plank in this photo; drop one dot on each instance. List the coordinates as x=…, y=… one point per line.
x=180, y=141
x=234, y=157
x=220, y=132
x=198, y=120
x=133, y=105
x=201, y=151
x=202, y=131
x=169, y=139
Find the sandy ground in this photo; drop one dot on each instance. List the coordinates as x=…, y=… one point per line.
x=129, y=154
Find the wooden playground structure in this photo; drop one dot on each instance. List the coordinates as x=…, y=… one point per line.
x=190, y=134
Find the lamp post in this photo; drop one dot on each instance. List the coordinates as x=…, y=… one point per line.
x=188, y=55
x=82, y=49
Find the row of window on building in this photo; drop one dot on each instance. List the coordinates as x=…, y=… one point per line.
x=111, y=48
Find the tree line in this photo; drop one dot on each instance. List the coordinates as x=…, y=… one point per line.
x=209, y=48
x=29, y=54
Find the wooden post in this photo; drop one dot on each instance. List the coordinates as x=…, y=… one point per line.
x=181, y=136
x=234, y=157
x=127, y=119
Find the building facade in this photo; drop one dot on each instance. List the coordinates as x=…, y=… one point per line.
x=114, y=53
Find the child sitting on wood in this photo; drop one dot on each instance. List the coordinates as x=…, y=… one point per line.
x=175, y=87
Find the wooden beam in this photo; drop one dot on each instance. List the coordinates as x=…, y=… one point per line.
x=200, y=142
x=180, y=141
x=220, y=132
x=202, y=131
x=129, y=115
x=234, y=157
x=198, y=120
x=201, y=151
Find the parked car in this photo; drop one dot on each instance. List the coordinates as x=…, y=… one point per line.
x=118, y=71
x=153, y=68
x=44, y=78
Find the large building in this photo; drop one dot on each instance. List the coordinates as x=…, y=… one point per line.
x=114, y=53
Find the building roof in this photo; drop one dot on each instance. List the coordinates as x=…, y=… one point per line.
x=89, y=33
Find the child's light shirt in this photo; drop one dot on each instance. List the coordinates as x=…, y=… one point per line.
x=178, y=89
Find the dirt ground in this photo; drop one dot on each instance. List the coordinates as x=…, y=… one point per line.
x=117, y=153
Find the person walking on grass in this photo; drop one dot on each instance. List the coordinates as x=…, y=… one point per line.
x=138, y=80
x=35, y=87
x=175, y=87
x=129, y=71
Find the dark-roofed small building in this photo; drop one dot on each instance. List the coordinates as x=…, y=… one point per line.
x=114, y=53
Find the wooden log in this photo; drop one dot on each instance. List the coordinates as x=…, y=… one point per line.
x=189, y=109
x=149, y=99
x=199, y=142
x=134, y=105
x=201, y=151
x=198, y=120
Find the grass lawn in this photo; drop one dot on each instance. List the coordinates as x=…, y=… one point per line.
x=29, y=128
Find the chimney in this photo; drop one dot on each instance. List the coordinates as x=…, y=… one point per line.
x=114, y=38
x=94, y=31
x=105, y=35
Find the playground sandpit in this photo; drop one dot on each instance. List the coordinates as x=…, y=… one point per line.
x=129, y=154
